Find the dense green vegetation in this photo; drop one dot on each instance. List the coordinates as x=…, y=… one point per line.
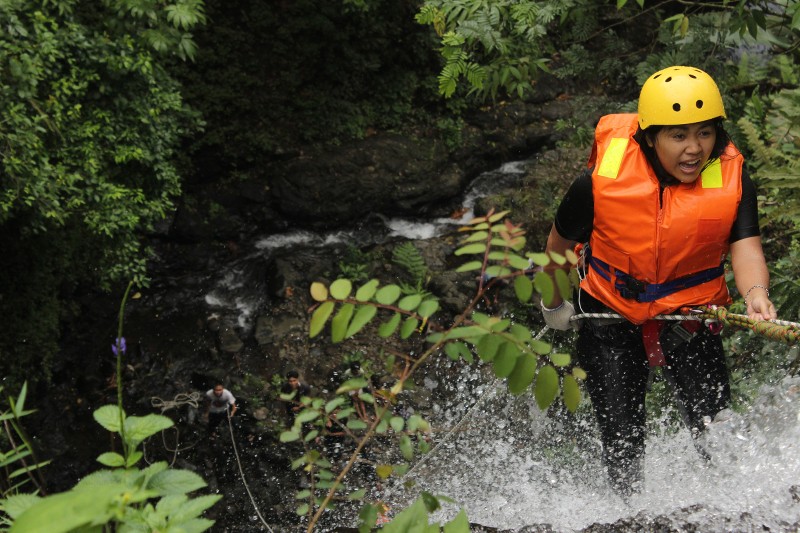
x=88, y=155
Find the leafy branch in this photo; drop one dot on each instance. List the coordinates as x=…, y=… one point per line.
x=494, y=246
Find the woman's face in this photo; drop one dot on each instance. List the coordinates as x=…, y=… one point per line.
x=684, y=150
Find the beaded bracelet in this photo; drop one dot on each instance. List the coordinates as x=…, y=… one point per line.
x=754, y=287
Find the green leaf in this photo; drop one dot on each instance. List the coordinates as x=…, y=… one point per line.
x=539, y=259
x=108, y=416
x=133, y=458
x=383, y=471
x=564, y=287
x=428, y=308
x=306, y=415
x=289, y=436
x=406, y=448
x=333, y=404
x=340, y=321
x=579, y=373
x=488, y=345
x=571, y=393
x=388, y=328
x=474, y=248
x=397, y=423
x=505, y=360
x=546, y=387
x=409, y=326
x=363, y=315
x=459, y=524
x=476, y=236
x=523, y=288
x=193, y=508
x=302, y=509
x=68, y=511
x=522, y=374
x=410, y=302
x=544, y=286
x=367, y=291
x=341, y=288
x=319, y=318
x=388, y=294
x=352, y=385
x=357, y=495
x=560, y=359
x=138, y=428
x=454, y=350
x=470, y=266
x=356, y=424
x=16, y=504
x=520, y=332
x=496, y=271
x=111, y=459
x=175, y=482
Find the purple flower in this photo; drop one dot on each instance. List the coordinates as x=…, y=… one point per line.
x=122, y=346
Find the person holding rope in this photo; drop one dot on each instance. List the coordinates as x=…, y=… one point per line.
x=220, y=400
x=664, y=200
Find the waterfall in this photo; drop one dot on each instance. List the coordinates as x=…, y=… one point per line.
x=509, y=465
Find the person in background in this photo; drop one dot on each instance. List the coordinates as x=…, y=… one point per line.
x=220, y=400
x=664, y=200
x=300, y=389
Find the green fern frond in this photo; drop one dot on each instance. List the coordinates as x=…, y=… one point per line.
x=409, y=258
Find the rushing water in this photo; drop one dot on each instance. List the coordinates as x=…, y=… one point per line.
x=510, y=466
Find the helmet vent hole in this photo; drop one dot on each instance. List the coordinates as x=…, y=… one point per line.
x=693, y=76
x=699, y=104
x=668, y=80
x=676, y=107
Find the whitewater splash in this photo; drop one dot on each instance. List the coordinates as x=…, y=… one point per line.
x=511, y=466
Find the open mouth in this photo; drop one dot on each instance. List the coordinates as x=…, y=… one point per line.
x=689, y=166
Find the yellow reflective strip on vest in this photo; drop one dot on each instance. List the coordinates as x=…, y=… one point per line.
x=612, y=159
x=711, y=178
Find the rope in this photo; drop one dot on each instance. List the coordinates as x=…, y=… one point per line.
x=244, y=480
x=192, y=398
x=781, y=330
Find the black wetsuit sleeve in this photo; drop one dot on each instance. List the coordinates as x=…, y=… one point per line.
x=746, y=223
x=575, y=215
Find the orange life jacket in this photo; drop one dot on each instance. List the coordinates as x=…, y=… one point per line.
x=651, y=257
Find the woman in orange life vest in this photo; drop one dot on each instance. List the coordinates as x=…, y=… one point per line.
x=662, y=203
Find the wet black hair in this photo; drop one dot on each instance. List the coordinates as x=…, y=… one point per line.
x=293, y=374
x=641, y=136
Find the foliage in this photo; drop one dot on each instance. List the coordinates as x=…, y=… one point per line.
x=503, y=47
x=274, y=78
x=91, y=122
x=19, y=464
x=363, y=409
x=122, y=496
x=355, y=265
x=407, y=256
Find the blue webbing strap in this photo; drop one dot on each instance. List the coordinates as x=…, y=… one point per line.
x=632, y=288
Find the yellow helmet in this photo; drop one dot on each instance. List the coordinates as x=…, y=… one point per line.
x=679, y=95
